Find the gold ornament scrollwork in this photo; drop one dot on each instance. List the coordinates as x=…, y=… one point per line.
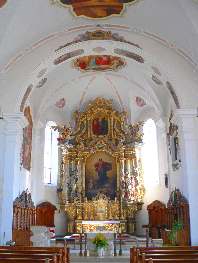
x=119, y=140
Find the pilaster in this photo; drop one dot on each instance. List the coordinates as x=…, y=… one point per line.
x=37, y=182
x=188, y=124
x=161, y=131
x=11, y=136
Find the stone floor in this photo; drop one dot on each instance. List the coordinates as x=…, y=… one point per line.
x=118, y=259
x=125, y=258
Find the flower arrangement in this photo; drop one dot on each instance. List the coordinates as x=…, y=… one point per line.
x=100, y=241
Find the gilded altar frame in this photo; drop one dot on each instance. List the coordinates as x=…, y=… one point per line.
x=100, y=129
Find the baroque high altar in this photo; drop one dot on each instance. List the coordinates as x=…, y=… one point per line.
x=100, y=181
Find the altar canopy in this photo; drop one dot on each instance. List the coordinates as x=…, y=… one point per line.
x=101, y=173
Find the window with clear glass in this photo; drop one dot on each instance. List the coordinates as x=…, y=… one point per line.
x=50, y=154
x=150, y=154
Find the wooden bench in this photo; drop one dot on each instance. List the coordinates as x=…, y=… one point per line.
x=171, y=260
x=51, y=256
x=62, y=254
x=163, y=253
x=24, y=260
x=35, y=253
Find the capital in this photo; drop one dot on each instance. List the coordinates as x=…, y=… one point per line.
x=14, y=122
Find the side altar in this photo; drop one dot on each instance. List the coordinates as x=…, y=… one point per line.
x=100, y=172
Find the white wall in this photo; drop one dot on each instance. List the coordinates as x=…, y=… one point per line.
x=40, y=191
x=158, y=191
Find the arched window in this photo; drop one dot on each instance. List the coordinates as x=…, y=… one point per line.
x=150, y=154
x=50, y=154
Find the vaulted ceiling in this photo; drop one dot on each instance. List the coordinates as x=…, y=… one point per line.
x=144, y=59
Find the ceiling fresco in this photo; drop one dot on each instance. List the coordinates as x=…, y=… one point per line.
x=2, y=3
x=99, y=63
x=95, y=8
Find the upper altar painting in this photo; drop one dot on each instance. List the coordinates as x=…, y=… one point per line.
x=2, y=3
x=95, y=8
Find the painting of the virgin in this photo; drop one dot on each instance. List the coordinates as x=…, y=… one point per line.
x=100, y=175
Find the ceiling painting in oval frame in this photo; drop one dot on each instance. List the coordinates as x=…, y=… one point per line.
x=99, y=63
x=95, y=8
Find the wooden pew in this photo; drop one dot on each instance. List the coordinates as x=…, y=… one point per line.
x=167, y=256
x=163, y=252
x=171, y=260
x=24, y=260
x=62, y=253
x=43, y=253
x=168, y=248
x=144, y=257
x=16, y=255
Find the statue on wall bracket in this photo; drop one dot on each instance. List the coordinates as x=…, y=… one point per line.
x=173, y=143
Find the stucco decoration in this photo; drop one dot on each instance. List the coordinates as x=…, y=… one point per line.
x=27, y=141
x=2, y=3
x=129, y=54
x=157, y=80
x=25, y=97
x=99, y=63
x=41, y=83
x=95, y=8
x=173, y=94
x=140, y=102
x=68, y=55
x=99, y=49
x=60, y=103
x=42, y=72
x=174, y=143
x=98, y=35
x=156, y=70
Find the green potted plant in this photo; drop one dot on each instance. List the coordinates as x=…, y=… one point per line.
x=101, y=243
x=174, y=233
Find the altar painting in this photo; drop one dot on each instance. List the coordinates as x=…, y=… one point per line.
x=100, y=175
x=100, y=126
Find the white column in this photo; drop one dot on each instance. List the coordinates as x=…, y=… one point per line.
x=188, y=123
x=11, y=136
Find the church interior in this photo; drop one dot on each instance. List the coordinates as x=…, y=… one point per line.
x=98, y=130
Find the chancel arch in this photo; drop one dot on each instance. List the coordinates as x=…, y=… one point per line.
x=140, y=69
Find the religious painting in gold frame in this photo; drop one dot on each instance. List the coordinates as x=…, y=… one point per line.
x=100, y=125
x=100, y=175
